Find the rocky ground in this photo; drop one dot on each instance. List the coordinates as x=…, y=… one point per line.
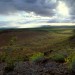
x=45, y=67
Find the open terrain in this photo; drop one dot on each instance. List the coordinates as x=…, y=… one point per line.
x=37, y=51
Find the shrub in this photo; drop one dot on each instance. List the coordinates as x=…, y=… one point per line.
x=26, y=58
x=2, y=57
x=58, y=58
x=71, y=61
x=21, y=58
x=9, y=68
x=10, y=65
x=37, y=57
x=13, y=40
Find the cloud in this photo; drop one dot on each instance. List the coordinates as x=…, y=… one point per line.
x=71, y=5
x=3, y=23
x=29, y=12
x=40, y=7
x=60, y=21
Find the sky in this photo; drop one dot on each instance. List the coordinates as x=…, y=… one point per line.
x=36, y=13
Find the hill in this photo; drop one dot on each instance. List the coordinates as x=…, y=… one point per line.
x=37, y=51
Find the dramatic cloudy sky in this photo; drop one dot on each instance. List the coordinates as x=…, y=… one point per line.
x=34, y=13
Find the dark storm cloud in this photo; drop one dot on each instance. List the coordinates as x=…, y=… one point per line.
x=30, y=1
x=6, y=6
x=40, y=7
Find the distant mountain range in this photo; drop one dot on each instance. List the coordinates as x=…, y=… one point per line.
x=48, y=26
x=44, y=26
